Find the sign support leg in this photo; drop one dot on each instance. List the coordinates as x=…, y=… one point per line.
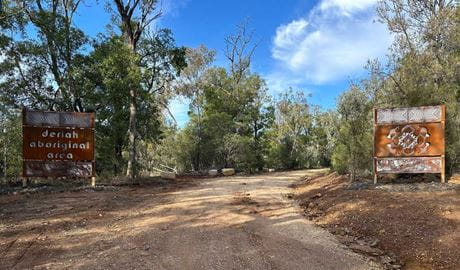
x=93, y=181
x=443, y=170
x=375, y=171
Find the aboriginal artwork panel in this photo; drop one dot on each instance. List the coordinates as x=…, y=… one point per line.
x=409, y=165
x=409, y=140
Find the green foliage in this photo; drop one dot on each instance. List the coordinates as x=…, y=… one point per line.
x=226, y=121
x=113, y=69
x=11, y=145
x=39, y=68
x=229, y=111
x=340, y=159
x=111, y=72
x=233, y=121
x=299, y=136
x=238, y=152
x=325, y=136
x=353, y=153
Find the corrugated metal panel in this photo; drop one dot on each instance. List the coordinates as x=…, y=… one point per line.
x=58, y=119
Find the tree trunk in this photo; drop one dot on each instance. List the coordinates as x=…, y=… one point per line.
x=199, y=139
x=354, y=167
x=133, y=28
x=117, y=167
x=131, y=171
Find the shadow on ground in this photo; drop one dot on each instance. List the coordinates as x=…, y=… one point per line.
x=221, y=223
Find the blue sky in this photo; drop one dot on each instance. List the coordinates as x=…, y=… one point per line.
x=312, y=46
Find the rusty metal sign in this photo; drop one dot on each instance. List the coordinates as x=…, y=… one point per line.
x=58, y=168
x=409, y=140
x=58, y=144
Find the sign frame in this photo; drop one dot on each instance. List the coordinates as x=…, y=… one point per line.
x=69, y=155
x=407, y=122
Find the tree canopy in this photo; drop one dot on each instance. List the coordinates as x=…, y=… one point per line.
x=129, y=77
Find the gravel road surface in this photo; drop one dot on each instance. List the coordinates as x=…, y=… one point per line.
x=217, y=223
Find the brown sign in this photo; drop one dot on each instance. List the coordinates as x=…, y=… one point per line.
x=58, y=144
x=409, y=140
x=42, y=143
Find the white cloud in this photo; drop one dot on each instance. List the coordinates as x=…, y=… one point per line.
x=278, y=83
x=172, y=7
x=288, y=35
x=347, y=6
x=328, y=45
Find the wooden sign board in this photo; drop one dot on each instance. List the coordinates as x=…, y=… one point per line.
x=409, y=140
x=58, y=144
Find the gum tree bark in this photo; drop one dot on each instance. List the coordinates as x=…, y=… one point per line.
x=132, y=27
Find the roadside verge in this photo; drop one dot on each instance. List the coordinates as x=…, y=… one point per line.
x=408, y=226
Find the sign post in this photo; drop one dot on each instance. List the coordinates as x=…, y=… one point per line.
x=409, y=140
x=58, y=144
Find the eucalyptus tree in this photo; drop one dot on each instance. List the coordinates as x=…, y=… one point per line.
x=191, y=84
x=292, y=126
x=134, y=19
x=229, y=109
x=238, y=97
x=113, y=69
x=353, y=152
x=38, y=67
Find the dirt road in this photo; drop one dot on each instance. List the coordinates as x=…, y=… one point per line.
x=219, y=223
